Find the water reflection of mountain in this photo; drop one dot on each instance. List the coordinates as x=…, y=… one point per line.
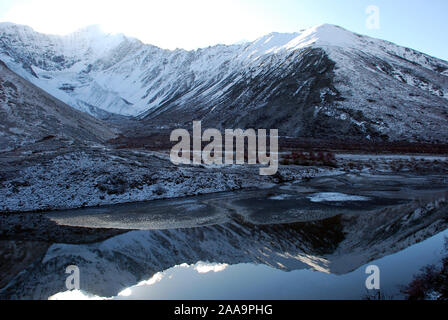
x=336, y=244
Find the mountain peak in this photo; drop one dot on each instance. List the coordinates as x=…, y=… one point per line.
x=328, y=27
x=328, y=34
x=99, y=38
x=94, y=29
x=321, y=35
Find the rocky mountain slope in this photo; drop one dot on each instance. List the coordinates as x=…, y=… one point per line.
x=30, y=115
x=320, y=82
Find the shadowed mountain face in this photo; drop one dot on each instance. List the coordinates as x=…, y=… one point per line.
x=322, y=82
x=29, y=114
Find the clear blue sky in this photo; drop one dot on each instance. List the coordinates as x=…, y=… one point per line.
x=422, y=25
x=418, y=24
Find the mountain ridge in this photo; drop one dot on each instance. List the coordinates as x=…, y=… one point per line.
x=224, y=85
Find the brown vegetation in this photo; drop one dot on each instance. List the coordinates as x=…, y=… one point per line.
x=326, y=159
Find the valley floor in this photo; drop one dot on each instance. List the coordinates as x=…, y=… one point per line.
x=54, y=175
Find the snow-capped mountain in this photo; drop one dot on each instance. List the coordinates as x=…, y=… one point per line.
x=320, y=82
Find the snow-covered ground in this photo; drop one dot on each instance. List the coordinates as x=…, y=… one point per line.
x=54, y=175
x=92, y=177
